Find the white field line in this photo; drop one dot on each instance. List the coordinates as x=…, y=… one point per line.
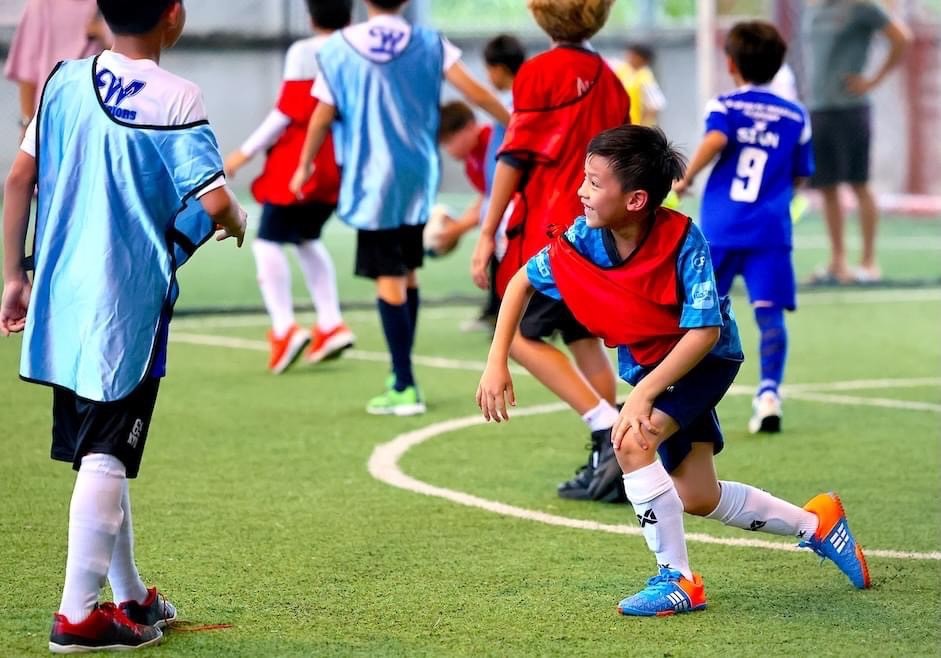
x=459, y=312
x=810, y=392
x=384, y=466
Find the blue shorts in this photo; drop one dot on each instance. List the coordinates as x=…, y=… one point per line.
x=691, y=402
x=768, y=273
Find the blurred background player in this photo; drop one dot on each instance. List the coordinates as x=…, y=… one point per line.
x=135, y=144
x=287, y=219
x=48, y=32
x=837, y=35
x=375, y=77
x=647, y=100
x=640, y=275
x=763, y=145
x=561, y=98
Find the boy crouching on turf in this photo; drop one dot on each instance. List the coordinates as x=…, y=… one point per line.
x=640, y=276
x=130, y=184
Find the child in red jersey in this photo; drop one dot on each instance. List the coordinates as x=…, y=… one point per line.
x=286, y=219
x=561, y=99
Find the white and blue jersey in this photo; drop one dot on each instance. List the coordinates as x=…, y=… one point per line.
x=701, y=305
x=747, y=199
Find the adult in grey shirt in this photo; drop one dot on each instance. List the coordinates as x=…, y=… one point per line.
x=837, y=35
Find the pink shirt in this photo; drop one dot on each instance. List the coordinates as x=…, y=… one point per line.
x=50, y=31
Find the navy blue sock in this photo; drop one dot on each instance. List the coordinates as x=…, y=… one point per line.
x=412, y=300
x=773, y=347
x=397, y=327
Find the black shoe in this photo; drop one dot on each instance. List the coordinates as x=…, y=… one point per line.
x=577, y=487
x=154, y=611
x=607, y=482
x=105, y=629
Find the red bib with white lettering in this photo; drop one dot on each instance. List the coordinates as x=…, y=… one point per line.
x=636, y=303
x=562, y=98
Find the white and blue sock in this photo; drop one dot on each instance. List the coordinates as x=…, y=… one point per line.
x=125, y=580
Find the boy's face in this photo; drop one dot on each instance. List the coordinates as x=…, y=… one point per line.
x=499, y=76
x=635, y=60
x=173, y=22
x=460, y=145
x=605, y=202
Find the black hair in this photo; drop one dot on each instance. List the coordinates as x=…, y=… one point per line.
x=133, y=16
x=642, y=158
x=757, y=49
x=455, y=116
x=642, y=49
x=387, y=4
x=330, y=14
x=505, y=50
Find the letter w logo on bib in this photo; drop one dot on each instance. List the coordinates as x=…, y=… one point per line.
x=387, y=42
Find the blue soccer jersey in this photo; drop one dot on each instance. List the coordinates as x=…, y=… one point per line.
x=747, y=200
x=702, y=306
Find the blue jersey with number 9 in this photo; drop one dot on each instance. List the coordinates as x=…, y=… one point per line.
x=747, y=200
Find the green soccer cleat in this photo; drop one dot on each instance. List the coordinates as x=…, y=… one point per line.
x=397, y=403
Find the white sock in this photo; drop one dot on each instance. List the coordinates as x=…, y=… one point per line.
x=750, y=508
x=123, y=576
x=274, y=280
x=95, y=517
x=321, y=277
x=601, y=417
x=659, y=511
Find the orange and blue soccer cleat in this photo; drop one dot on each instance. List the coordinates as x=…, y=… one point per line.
x=667, y=593
x=833, y=539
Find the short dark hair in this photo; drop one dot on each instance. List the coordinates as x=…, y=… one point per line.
x=134, y=16
x=387, y=4
x=757, y=49
x=330, y=14
x=642, y=49
x=455, y=116
x=505, y=50
x=642, y=158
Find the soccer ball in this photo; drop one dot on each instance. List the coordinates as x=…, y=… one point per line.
x=438, y=221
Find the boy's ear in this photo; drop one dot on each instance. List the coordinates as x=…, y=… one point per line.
x=636, y=200
x=730, y=65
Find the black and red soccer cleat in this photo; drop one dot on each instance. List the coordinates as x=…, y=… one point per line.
x=107, y=628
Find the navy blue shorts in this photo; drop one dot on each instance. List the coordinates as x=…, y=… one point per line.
x=691, y=402
x=294, y=224
x=768, y=273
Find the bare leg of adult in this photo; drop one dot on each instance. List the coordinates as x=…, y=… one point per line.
x=868, y=225
x=835, y=220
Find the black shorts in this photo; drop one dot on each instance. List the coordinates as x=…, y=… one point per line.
x=545, y=316
x=841, y=146
x=294, y=224
x=389, y=252
x=80, y=427
x=691, y=402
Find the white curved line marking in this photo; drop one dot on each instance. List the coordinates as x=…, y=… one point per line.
x=384, y=466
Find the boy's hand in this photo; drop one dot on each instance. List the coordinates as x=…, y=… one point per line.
x=495, y=393
x=480, y=261
x=225, y=232
x=681, y=187
x=14, y=305
x=234, y=162
x=634, y=420
x=301, y=176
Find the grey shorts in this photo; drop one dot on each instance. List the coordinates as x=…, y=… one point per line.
x=841, y=146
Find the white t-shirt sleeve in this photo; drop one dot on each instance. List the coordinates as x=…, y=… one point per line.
x=321, y=91
x=28, y=145
x=266, y=134
x=452, y=54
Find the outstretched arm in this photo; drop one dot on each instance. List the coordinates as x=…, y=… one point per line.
x=317, y=129
x=17, y=198
x=495, y=390
x=476, y=93
x=711, y=146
